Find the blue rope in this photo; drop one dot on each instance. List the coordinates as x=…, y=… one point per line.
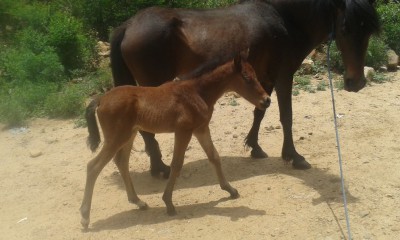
x=337, y=141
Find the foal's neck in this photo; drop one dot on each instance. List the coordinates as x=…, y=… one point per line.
x=212, y=86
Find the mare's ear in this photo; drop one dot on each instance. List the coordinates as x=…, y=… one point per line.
x=341, y=4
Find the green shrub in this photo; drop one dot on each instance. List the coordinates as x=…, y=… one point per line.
x=390, y=18
x=18, y=103
x=376, y=52
x=375, y=57
x=65, y=104
x=75, y=49
x=22, y=65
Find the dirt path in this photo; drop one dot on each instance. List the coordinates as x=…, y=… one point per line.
x=40, y=196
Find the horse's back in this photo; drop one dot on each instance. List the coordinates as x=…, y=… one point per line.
x=161, y=43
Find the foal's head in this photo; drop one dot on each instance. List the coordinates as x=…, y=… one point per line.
x=246, y=84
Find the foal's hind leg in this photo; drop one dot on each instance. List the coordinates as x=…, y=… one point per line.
x=122, y=162
x=204, y=137
x=153, y=150
x=182, y=140
x=94, y=168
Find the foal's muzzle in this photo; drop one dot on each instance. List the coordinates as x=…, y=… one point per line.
x=265, y=102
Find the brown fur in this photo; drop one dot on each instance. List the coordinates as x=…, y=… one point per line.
x=183, y=107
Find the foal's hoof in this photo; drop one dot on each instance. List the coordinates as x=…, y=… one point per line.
x=301, y=164
x=85, y=223
x=234, y=194
x=257, y=152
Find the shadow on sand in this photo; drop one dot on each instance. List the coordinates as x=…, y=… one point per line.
x=200, y=173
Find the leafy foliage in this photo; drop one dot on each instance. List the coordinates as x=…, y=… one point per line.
x=390, y=18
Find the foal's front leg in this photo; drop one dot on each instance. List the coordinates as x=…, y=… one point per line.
x=204, y=137
x=182, y=139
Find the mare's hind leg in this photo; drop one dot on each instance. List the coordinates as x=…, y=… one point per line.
x=94, y=168
x=153, y=150
x=204, y=137
x=182, y=140
x=122, y=162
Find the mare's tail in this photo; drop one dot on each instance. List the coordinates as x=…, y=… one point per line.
x=93, y=139
x=120, y=71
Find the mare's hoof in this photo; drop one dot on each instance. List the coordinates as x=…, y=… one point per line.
x=301, y=164
x=165, y=170
x=171, y=212
x=257, y=152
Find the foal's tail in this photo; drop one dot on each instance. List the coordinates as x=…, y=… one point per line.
x=93, y=139
x=120, y=71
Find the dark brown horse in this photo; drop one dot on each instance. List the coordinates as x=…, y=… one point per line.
x=279, y=33
x=183, y=107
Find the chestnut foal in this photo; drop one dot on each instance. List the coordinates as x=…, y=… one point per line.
x=184, y=107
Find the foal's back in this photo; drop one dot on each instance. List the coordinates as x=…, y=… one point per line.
x=154, y=109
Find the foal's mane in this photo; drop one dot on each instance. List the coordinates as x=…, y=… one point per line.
x=207, y=67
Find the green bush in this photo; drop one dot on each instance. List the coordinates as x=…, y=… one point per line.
x=18, y=103
x=390, y=18
x=75, y=49
x=22, y=65
x=375, y=57
x=376, y=52
x=65, y=104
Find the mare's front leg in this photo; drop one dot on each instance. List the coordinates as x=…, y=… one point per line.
x=121, y=159
x=252, y=137
x=153, y=150
x=284, y=94
x=204, y=137
x=182, y=139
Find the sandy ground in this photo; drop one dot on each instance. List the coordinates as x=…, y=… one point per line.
x=40, y=196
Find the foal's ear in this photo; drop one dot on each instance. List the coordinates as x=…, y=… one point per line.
x=237, y=61
x=242, y=56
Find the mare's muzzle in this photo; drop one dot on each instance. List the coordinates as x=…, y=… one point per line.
x=354, y=86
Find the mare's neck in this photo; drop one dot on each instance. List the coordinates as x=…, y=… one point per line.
x=308, y=26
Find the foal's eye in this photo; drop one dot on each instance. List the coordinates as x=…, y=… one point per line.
x=246, y=78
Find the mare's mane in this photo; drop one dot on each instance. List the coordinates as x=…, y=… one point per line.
x=360, y=15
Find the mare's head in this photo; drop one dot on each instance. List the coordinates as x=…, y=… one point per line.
x=355, y=21
x=246, y=84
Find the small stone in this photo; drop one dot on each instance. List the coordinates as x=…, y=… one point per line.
x=35, y=153
x=383, y=69
x=392, y=60
x=363, y=214
x=310, y=133
x=235, y=136
x=369, y=73
x=51, y=140
x=307, y=66
x=278, y=127
x=301, y=138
